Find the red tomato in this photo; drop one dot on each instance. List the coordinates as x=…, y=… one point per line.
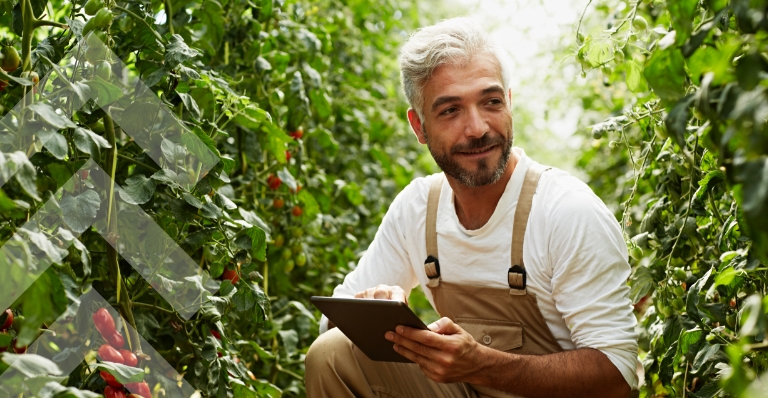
x=141, y=388
x=116, y=340
x=114, y=392
x=288, y=156
x=111, y=380
x=297, y=134
x=278, y=203
x=17, y=349
x=274, y=182
x=297, y=211
x=104, y=322
x=129, y=358
x=8, y=315
x=107, y=353
x=231, y=275
x=216, y=334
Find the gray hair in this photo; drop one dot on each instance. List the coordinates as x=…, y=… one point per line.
x=451, y=41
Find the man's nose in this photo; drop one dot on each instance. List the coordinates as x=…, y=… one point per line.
x=476, y=126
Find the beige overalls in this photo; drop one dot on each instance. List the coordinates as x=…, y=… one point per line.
x=506, y=319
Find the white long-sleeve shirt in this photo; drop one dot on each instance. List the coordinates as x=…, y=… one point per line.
x=574, y=254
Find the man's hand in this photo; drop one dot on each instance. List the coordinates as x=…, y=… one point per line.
x=446, y=353
x=384, y=292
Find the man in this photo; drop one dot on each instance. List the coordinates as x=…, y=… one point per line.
x=526, y=265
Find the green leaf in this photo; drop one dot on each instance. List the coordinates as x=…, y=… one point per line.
x=177, y=51
x=32, y=365
x=635, y=79
x=753, y=175
x=274, y=141
x=290, y=339
x=258, y=243
x=321, y=103
x=55, y=143
x=287, y=178
x=123, y=374
x=641, y=283
x=210, y=210
x=665, y=73
x=682, y=13
x=105, y=92
x=310, y=205
x=138, y=189
x=353, y=193
x=703, y=356
x=266, y=10
x=80, y=211
x=600, y=52
x=191, y=105
x=90, y=142
x=211, y=16
x=49, y=116
x=676, y=121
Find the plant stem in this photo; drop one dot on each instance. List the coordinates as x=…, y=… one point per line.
x=169, y=15
x=124, y=301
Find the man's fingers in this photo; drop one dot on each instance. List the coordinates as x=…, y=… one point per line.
x=444, y=326
x=425, y=337
x=421, y=349
x=381, y=294
x=416, y=358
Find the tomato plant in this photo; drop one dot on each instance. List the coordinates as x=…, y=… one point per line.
x=298, y=101
x=680, y=152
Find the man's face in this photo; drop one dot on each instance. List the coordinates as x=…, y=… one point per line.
x=467, y=121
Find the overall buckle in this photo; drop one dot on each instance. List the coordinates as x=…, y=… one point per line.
x=517, y=277
x=432, y=266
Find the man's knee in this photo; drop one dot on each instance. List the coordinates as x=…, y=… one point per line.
x=330, y=348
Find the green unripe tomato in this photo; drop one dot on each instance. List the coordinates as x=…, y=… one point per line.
x=597, y=134
x=730, y=319
x=710, y=337
x=279, y=240
x=103, y=18
x=301, y=259
x=89, y=26
x=125, y=24
x=92, y=7
x=289, y=265
x=618, y=57
x=94, y=55
x=678, y=304
x=103, y=70
x=97, y=126
x=636, y=253
x=662, y=309
x=9, y=59
x=680, y=274
x=18, y=320
x=297, y=232
x=639, y=23
x=96, y=39
x=296, y=249
x=679, y=291
x=286, y=254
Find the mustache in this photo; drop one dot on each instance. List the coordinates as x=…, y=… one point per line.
x=478, y=143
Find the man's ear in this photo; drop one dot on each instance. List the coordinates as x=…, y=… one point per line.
x=413, y=119
x=509, y=94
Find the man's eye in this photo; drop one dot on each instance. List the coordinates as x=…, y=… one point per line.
x=495, y=101
x=448, y=111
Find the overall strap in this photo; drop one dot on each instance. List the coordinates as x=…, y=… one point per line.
x=431, y=264
x=516, y=276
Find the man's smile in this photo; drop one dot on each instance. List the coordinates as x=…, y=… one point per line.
x=478, y=152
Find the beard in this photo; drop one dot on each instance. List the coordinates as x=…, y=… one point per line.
x=485, y=174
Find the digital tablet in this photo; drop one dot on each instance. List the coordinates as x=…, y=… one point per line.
x=364, y=322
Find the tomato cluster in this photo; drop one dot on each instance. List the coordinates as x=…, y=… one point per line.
x=113, y=352
x=10, y=324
